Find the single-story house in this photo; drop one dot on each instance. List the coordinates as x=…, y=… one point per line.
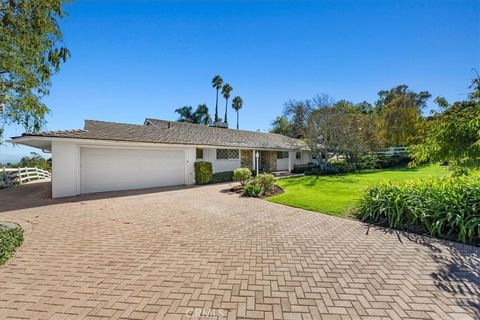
x=108, y=156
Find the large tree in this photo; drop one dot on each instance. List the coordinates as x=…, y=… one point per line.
x=217, y=82
x=30, y=53
x=341, y=129
x=281, y=125
x=401, y=111
x=453, y=135
x=297, y=113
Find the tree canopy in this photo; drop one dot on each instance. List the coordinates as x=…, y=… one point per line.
x=200, y=115
x=30, y=53
x=453, y=135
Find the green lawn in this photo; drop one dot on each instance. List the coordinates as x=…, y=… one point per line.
x=336, y=194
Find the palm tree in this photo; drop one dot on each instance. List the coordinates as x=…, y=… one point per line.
x=186, y=114
x=217, y=82
x=237, y=104
x=200, y=115
x=226, y=90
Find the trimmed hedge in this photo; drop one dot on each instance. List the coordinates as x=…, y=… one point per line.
x=442, y=207
x=224, y=176
x=10, y=239
x=203, y=172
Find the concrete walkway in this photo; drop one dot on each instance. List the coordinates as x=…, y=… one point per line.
x=188, y=253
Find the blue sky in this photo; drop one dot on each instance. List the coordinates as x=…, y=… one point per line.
x=137, y=59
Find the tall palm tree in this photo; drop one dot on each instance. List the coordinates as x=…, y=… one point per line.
x=217, y=82
x=237, y=104
x=226, y=90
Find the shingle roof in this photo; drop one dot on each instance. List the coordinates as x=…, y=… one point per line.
x=170, y=132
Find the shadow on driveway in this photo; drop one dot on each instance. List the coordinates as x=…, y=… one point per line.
x=40, y=194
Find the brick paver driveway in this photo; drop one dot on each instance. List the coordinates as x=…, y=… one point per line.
x=180, y=254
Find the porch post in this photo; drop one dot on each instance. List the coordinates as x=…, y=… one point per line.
x=253, y=160
x=290, y=160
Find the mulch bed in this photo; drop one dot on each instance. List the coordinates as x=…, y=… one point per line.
x=275, y=191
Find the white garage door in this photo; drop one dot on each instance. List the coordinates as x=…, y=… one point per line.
x=108, y=169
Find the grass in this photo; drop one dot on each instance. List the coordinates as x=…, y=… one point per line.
x=337, y=194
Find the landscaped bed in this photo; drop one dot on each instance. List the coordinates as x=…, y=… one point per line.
x=11, y=236
x=337, y=194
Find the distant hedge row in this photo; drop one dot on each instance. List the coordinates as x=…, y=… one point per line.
x=362, y=163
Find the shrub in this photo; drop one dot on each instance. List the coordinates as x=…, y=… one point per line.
x=10, y=239
x=203, y=172
x=251, y=189
x=443, y=207
x=242, y=175
x=301, y=168
x=265, y=181
x=224, y=176
x=393, y=161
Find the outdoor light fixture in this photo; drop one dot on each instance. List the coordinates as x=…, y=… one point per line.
x=257, y=155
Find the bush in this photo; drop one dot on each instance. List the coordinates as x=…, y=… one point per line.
x=224, y=176
x=251, y=189
x=265, y=181
x=302, y=168
x=203, y=172
x=242, y=175
x=393, y=161
x=10, y=239
x=443, y=207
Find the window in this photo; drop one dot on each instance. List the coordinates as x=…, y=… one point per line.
x=314, y=156
x=282, y=155
x=199, y=153
x=298, y=155
x=233, y=154
x=230, y=154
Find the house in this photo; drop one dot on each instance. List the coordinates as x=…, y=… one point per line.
x=108, y=156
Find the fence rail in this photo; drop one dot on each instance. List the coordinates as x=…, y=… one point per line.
x=393, y=151
x=13, y=176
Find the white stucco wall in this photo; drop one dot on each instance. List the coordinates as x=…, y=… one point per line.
x=220, y=165
x=306, y=157
x=65, y=169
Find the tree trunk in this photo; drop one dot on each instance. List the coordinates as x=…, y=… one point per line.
x=216, y=108
x=237, y=120
x=226, y=107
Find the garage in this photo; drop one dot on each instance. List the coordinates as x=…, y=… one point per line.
x=110, y=169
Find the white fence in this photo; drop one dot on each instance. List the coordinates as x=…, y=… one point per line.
x=393, y=151
x=13, y=176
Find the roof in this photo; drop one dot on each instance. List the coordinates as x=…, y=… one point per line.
x=171, y=132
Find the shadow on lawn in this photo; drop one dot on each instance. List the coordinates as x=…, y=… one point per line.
x=458, y=270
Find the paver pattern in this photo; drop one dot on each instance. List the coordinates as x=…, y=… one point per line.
x=206, y=253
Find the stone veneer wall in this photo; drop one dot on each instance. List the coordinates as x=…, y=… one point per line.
x=269, y=161
x=246, y=159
